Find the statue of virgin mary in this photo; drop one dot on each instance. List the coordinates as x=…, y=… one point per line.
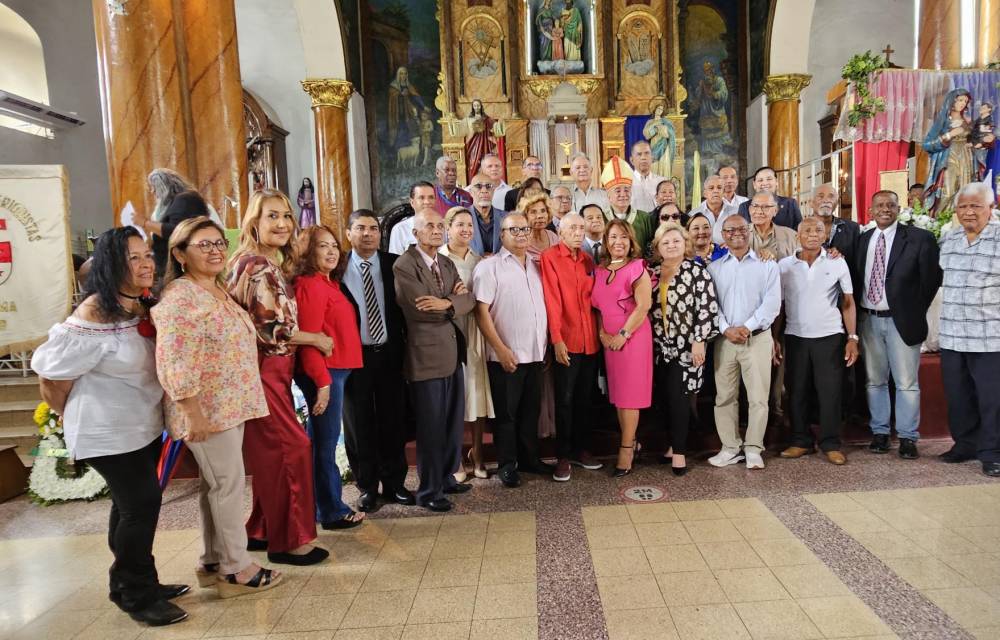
x=950, y=150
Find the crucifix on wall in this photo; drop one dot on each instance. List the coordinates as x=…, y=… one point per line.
x=567, y=146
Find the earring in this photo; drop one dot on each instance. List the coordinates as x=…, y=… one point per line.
x=183, y=268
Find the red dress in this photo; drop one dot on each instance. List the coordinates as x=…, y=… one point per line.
x=323, y=308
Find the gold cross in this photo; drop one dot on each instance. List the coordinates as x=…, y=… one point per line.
x=566, y=146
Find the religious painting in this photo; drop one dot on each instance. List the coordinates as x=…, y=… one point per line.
x=481, y=56
x=560, y=37
x=639, y=55
x=710, y=64
x=759, y=16
x=401, y=81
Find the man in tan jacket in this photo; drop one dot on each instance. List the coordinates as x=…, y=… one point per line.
x=430, y=293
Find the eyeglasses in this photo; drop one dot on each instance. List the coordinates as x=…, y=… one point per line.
x=735, y=231
x=482, y=185
x=670, y=216
x=763, y=207
x=206, y=247
x=562, y=197
x=533, y=165
x=518, y=231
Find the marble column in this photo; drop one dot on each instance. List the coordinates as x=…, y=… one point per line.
x=989, y=32
x=783, y=123
x=939, y=37
x=215, y=93
x=171, y=96
x=333, y=163
x=141, y=98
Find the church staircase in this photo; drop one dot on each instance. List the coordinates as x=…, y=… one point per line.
x=18, y=398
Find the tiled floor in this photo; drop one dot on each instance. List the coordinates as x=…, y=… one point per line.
x=944, y=541
x=716, y=570
x=430, y=577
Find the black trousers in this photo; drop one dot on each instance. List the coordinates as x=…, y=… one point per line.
x=135, y=510
x=573, y=385
x=439, y=405
x=675, y=401
x=517, y=399
x=815, y=363
x=972, y=390
x=374, y=432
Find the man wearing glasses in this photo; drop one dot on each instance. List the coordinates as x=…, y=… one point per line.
x=510, y=309
x=530, y=168
x=564, y=204
x=788, y=215
x=749, y=293
x=486, y=217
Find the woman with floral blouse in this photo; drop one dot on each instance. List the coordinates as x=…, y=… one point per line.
x=276, y=447
x=683, y=316
x=205, y=361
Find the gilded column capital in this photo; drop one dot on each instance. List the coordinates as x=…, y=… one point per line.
x=328, y=92
x=787, y=86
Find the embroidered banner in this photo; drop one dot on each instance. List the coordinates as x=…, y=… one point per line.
x=36, y=267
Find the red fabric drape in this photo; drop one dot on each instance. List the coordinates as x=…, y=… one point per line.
x=869, y=159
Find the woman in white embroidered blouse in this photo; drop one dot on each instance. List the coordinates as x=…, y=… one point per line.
x=97, y=371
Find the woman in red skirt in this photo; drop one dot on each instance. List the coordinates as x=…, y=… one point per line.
x=277, y=449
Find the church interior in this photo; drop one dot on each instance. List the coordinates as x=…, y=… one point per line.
x=343, y=105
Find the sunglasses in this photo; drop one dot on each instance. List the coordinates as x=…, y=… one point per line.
x=670, y=216
x=482, y=185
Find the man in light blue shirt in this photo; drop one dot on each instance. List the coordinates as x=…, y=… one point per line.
x=749, y=293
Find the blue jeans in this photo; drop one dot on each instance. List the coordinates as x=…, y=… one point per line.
x=884, y=352
x=324, y=430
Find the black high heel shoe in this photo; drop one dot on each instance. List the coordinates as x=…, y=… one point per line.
x=679, y=471
x=621, y=473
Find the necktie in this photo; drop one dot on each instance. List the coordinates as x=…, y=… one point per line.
x=437, y=278
x=597, y=250
x=375, y=326
x=877, y=280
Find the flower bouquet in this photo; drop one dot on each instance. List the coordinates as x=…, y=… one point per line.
x=55, y=476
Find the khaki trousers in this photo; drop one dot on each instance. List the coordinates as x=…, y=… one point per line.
x=223, y=479
x=752, y=362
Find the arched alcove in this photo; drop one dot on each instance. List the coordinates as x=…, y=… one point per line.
x=23, y=68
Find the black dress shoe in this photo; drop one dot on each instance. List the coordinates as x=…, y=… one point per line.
x=317, y=555
x=509, y=477
x=991, y=469
x=461, y=487
x=401, y=496
x=951, y=456
x=908, y=449
x=441, y=504
x=368, y=502
x=160, y=613
x=256, y=544
x=880, y=444
x=171, y=591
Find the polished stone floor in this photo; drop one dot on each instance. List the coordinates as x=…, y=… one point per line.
x=880, y=548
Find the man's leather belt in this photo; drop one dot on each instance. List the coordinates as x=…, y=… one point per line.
x=878, y=314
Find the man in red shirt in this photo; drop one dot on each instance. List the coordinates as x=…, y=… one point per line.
x=567, y=280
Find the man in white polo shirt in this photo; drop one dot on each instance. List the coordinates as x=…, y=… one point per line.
x=811, y=284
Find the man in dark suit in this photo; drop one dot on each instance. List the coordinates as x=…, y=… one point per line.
x=841, y=234
x=897, y=275
x=431, y=295
x=374, y=431
x=530, y=168
x=788, y=214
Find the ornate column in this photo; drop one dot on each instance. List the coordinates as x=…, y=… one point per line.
x=939, y=39
x=783, y=121
x=141, y=98
x=330, y=98
x=216, y=104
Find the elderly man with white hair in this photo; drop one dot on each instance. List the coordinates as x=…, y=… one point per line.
x=563, y=199
x=970, y=329
x=583, y=191
x=841, y=234
x=714, y=207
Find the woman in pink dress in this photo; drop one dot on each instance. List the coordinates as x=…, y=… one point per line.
x=622, y=296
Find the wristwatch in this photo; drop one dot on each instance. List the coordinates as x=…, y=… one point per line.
x=854, y=337
x=624, y=333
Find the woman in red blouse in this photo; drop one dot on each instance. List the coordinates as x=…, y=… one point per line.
x=323, y=308
x=277, y=450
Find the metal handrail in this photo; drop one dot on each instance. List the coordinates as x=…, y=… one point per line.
x=800, y=181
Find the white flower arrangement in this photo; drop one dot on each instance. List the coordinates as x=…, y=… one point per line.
x=54, y=476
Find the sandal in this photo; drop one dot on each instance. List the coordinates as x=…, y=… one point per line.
x=207, y=575
x=263, y=580
x=349, y=521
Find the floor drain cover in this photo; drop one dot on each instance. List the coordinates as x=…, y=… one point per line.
x=645, y=494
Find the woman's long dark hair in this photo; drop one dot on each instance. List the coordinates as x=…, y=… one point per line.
x=109, y=271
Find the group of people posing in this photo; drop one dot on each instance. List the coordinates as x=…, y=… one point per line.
x=485, y=313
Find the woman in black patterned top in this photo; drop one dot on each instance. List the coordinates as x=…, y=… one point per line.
x=683, y=315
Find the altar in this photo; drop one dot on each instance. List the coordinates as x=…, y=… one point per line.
x=551, y=79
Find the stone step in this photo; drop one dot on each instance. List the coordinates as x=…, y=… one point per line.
x=17, y=388
x=16, y=413
x=24, y=437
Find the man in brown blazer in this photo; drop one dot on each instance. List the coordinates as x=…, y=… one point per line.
x=430, y=293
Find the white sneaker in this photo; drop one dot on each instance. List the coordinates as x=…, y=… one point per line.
x=754, y=461
x=725, y=458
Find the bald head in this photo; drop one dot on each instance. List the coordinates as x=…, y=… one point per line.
x=428, y=229
x=572, y=229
